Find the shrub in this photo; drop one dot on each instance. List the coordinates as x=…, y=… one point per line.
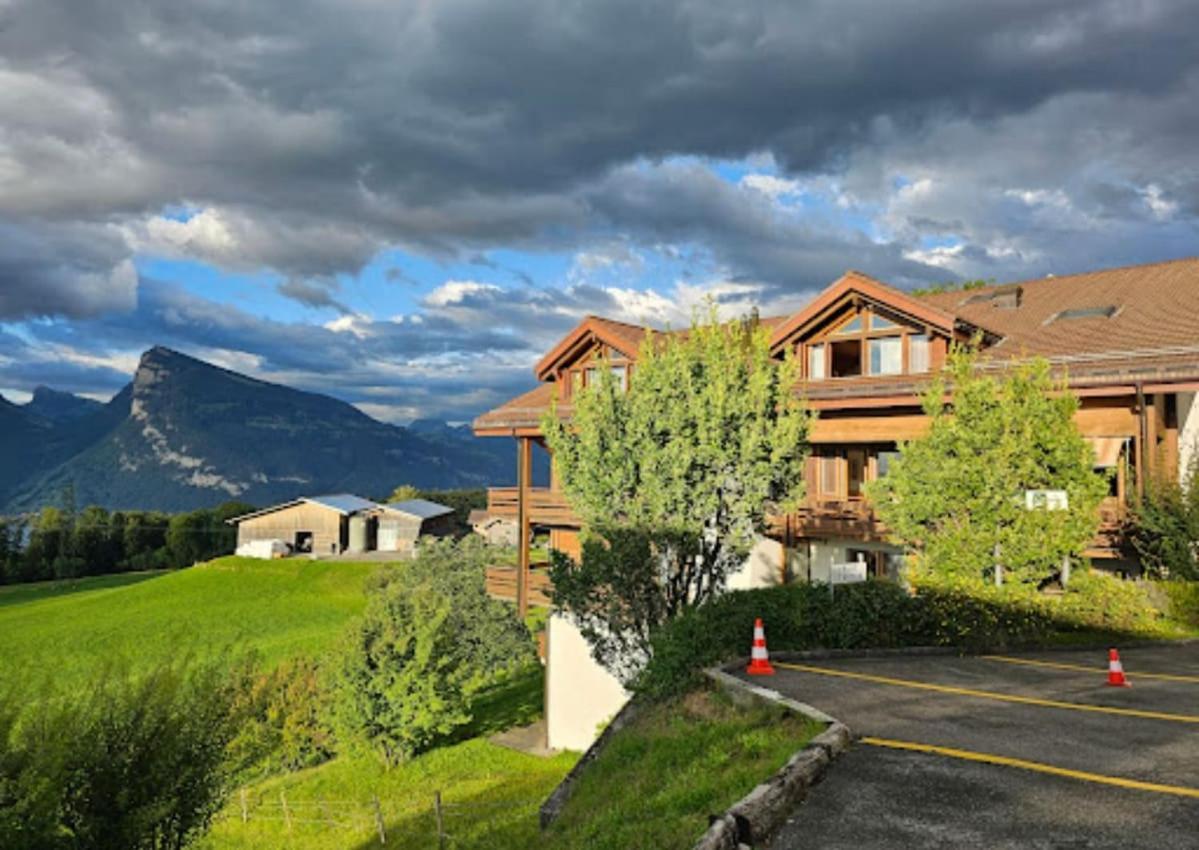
x=969, y=615
x=285, y=719
x=1164, y=528
x=430, y=640
x=132, y=763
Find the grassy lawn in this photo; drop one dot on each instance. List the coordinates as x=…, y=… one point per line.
x=659, y=779
x=490, y=794
x=278, y=608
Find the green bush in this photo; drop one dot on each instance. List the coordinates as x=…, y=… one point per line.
x=285, y=719
x=431, y=639
x=131, y=763
x=1164, y=528
x=1183, y=600
x=880, y=615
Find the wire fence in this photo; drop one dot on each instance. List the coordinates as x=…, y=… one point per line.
x=441, y=819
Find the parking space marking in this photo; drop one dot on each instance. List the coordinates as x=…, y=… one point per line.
x=994, y=695
x=1039, y=767
x=1058, y=665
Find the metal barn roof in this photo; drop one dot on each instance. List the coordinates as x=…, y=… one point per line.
x=419, y=508
x=344, y=503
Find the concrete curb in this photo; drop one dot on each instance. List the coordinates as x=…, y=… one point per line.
x=552, y=807
x=764, y=809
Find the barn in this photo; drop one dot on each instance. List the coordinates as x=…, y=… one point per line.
x=319, y=525
x=399, y=524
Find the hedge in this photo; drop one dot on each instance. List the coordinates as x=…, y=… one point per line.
x=882, y=615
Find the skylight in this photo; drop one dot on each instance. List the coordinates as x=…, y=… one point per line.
x=1105, y=312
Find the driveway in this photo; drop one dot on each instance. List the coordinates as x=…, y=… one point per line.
x=1025, y=751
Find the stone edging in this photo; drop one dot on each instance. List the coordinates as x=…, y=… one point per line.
x=552, y=807
x=765, y=808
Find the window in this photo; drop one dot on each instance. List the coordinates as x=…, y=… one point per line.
x=1084, y=313
x=621, y=375
x=882, y=463
x=853, y=326
x=828, y=475
x=592, y=376
x=886, y=355
x=856, y=468
x=576, y=381
x=846, y=358
x=815, y=362
x=878, y=323
x=918, y=349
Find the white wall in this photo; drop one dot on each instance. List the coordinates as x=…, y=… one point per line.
x=1188, y=432
x=580, y=694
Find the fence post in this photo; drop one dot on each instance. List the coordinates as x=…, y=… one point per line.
x=440, y=821
x=286, y=811
x=245, y=810
x=379, y=820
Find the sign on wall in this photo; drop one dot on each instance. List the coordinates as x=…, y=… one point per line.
x=851, y=572
x=1046, y=500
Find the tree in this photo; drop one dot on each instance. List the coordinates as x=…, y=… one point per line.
x=404, y=493
x=673, y=479
x=1165, y=526
x=956, y=496
x=430, y=640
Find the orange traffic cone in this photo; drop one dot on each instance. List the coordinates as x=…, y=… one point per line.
x=1115, y=670
x=759, y=660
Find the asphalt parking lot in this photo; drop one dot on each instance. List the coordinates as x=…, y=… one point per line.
x=998, y=752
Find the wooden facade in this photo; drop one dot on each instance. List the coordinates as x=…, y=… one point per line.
x=305, y=526
x=868, y=352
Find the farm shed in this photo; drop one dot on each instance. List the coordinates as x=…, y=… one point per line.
x=400, y=524
x=312, y=524
x=496, y=530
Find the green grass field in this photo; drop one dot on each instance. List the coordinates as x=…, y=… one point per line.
x=69, y=630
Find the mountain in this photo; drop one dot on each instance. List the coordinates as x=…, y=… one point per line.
x=56, y=406
x=187, y=434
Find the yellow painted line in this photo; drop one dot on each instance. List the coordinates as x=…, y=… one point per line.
x=1039, y=767
x=995, y=695
x=1057, y=665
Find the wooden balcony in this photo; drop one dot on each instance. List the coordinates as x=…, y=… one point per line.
x=501, y=583
x=850, y=520
x=546, y=507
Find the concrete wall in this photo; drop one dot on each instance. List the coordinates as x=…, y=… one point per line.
x=580, y=695
x=324, y=523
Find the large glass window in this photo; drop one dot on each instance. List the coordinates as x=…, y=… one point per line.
x=856, y=472
x=918, y=360
x=853, y=326
x=816, y=363
x=882, y=463
x=621, y=374
x=886, y=355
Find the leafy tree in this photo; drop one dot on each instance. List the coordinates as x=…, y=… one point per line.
x=676, y=476
x=955, y=496
x=430, y=640
x=1165, y=527
x=403, y=493
x=92, y=541
x=186, y=536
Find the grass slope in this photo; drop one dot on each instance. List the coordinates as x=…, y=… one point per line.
x=660, y=777
x=277, y=608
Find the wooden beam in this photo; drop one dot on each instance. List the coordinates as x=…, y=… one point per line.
x=524, y=470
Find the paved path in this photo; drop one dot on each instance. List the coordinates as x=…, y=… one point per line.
x=1084, y=765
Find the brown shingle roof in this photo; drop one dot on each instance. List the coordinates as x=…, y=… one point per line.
x=1157, y=308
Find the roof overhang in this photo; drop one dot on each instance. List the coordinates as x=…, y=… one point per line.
x=585, y=334
x=854, y=285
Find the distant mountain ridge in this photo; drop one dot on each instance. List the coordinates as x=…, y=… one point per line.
x=186, y=434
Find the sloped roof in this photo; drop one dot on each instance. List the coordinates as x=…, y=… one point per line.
x=620, y=335
x=344, y=503
x=1157, y=309
x=419, y=508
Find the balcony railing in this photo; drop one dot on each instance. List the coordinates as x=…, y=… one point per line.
x=546, y=507
x=853, y=520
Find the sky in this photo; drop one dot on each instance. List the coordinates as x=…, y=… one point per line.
x=404, y=204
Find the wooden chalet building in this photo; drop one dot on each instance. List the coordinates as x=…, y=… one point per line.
x=1127, y=340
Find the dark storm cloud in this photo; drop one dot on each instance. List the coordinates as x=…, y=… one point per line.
x=322, y=131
